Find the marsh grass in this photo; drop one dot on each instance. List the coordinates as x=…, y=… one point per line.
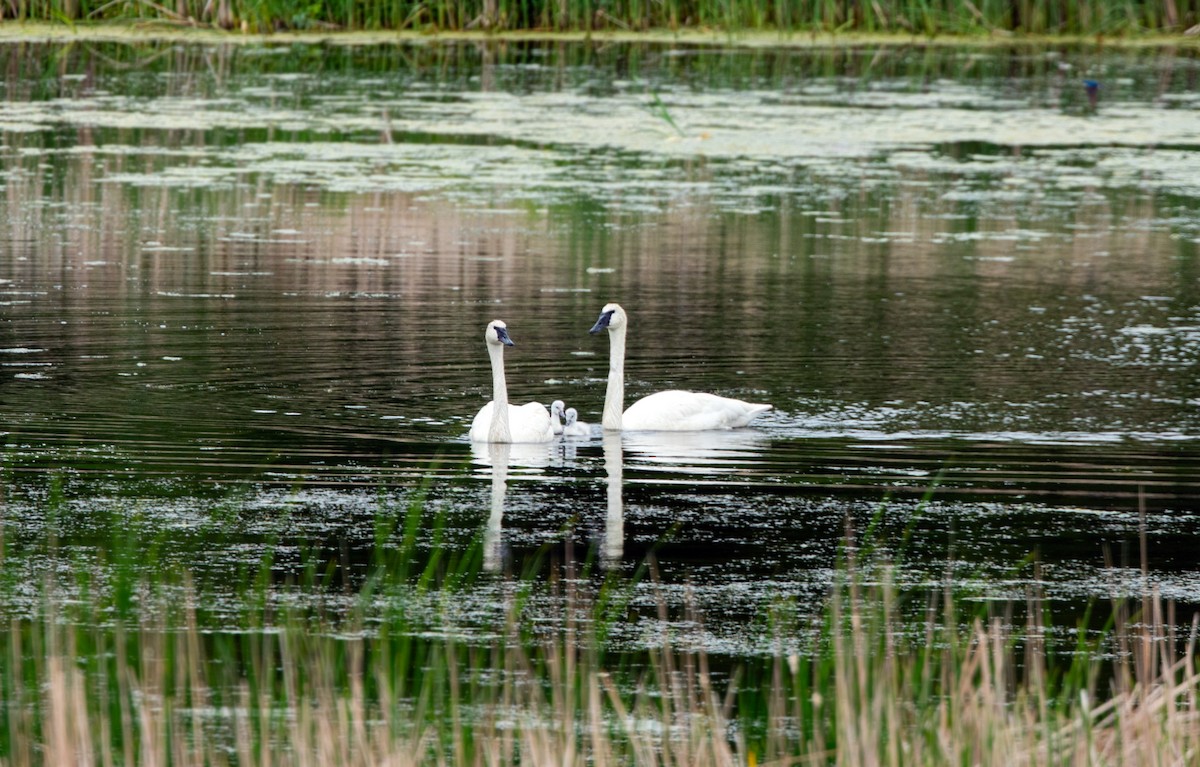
x=921, y=17
x=133, y=668
x=89, y=681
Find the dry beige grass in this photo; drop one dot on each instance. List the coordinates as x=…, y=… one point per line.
x=982, y=699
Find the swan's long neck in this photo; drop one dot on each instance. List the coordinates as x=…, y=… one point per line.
x=614, y=396
x=499, y=431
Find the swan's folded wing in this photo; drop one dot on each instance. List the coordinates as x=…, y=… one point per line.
x=481, y=423
x=676, y=410
x=530, y=423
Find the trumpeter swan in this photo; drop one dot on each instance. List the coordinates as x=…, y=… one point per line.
x=671, y=410
x=498, y=421
x=574, y=427
x=556, y=412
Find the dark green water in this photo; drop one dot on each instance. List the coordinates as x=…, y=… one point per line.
x=243, y=290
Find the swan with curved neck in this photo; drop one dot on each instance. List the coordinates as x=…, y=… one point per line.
x=671, y=410
x=498, y=421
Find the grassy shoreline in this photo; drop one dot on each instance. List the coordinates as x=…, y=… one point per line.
x=130, y=657
x=296, y=688
x=129, y=664
x=142, y=30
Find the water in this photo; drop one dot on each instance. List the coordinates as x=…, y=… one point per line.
x=244, y=289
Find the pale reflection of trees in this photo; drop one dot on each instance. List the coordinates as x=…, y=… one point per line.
x=931, y=269
x=65, y=216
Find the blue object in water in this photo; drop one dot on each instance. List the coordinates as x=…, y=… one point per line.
x=1093, y=90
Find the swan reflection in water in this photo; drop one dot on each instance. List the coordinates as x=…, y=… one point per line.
x=693, y=453
x=499, y=454
x=500, y=457
x=614, y=519
x=696, y=452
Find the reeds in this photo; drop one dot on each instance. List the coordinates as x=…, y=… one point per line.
x=130, y=667
x=319, y=694
x=925, y=17
x=876, y=687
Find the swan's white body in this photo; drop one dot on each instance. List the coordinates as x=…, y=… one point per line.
x=556, y=412
x=574, y=427
x=498, y=421
x=671, y=410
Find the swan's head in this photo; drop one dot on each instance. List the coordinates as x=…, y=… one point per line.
x=572, y=415
x=556, y=408
x=612, y=317
x=497, y=333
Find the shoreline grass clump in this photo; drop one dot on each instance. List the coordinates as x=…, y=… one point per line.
x=84, y=684
x=913, y=17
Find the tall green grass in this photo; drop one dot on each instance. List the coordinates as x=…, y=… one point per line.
x=137, y=675
x=128, y=661
x=926, y=17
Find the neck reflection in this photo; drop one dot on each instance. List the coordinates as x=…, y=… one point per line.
x=614, y=522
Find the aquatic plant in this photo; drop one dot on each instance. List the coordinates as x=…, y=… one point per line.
x=380, y=683
x=925, y=17
x=138, y=662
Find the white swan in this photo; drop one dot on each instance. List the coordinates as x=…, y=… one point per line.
x=574, y=427
x=556, y=411
x=672, y=410
x=498, y=421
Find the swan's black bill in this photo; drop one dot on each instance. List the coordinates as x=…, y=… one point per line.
x=502, y=337
x=601, y=323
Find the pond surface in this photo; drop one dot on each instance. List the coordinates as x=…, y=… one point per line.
x=244, y=289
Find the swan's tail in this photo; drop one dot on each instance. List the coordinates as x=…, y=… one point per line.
x=752, y=409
